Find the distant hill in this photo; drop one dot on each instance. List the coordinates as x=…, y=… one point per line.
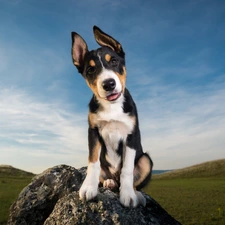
x=159, y=171
x=214, y=169
x=6, y=170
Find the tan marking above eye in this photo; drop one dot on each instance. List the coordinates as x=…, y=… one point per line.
x=92, y=62
x=107, y=57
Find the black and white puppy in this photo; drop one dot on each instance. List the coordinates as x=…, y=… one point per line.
x=116, y=158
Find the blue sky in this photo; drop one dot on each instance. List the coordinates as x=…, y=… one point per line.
x=175, y=53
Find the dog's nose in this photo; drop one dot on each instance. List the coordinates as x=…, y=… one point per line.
x=109, y=84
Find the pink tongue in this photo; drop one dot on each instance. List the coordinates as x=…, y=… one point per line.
x=112, y=97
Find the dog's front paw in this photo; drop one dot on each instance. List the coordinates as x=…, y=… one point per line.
x=131, y=198
x=88, y=191
x=128, y=198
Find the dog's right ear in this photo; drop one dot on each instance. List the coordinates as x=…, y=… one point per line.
x=78, y=51
x=104, y=39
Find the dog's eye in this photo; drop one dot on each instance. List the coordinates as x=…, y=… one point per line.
x=90, y=70
x=114, y=61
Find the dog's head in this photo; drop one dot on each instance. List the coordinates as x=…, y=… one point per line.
x=104, y=68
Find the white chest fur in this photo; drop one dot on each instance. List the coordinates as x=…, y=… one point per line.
x=114, y=125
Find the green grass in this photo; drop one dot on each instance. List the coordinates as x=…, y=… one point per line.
x=196, y=201
x=10, y=187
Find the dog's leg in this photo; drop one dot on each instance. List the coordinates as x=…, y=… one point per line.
x=128, y=196
x=142, y=171
x=89, y=188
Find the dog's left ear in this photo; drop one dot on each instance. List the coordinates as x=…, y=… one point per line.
x=104, y=39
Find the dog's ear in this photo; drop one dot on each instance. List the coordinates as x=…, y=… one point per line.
x=104, y=39
x=78, y=51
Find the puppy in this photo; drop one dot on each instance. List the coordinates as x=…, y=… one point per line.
x=116, y=158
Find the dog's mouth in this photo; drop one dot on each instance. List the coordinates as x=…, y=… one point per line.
x=113, y=96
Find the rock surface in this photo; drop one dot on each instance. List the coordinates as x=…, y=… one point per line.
x=52, y=198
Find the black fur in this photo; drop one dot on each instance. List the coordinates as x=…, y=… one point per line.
x=93, y=105
x=93, y=55
x=93, y=136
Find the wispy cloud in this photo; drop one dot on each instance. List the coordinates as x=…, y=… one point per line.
x=182, y=127
x=40, y=130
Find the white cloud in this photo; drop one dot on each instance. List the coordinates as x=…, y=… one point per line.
x=32, y=131
x=182, y=128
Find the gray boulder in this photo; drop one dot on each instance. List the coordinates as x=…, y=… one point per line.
x=52, y=198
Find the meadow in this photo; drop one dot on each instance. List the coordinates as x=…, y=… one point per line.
x=199, y=201
x=12, y=181
x=193, y=196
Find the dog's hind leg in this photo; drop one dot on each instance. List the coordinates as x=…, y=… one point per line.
x=107, y=181
x=142, y=171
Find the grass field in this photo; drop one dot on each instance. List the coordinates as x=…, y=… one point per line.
x=193, y=196
x=12, y=181
x=197, y=201
x=10, y=187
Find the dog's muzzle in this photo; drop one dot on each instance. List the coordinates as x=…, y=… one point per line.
x=109, y=86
